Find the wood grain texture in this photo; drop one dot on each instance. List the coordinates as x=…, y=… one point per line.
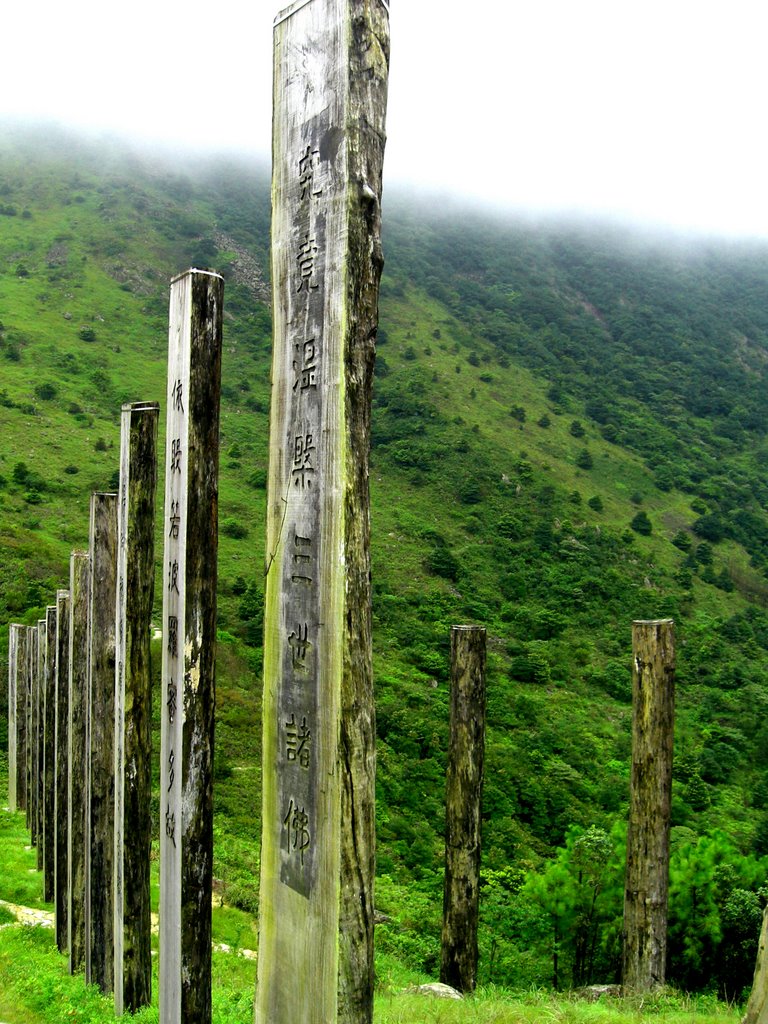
x=77, y=808
x=318, y=845
x=647, y=877
x=13, y=687
x=22, y=727
x=61, y=795
x=49, y=755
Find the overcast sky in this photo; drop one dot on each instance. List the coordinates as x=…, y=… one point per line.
x=653, y=111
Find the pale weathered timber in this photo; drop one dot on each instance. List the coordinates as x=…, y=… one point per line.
x=757, y=1007
x=318, y=841
x=463, y=800
x=49, y=756
x=99, y=961
x=133, y=706
x=647, y=875
x=14, y=631
x=189, y=644
x=30, y=718
x=77, y=734
x=40, y=758
x=22, y=733
x=61, y=810
x=34, y=734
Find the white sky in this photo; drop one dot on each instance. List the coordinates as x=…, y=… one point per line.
x=653, y=111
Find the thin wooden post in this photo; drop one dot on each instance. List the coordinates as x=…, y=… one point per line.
x=133, y=706
x=99, y=962
x=49, y=756
x=318, y=841
x=22, y=732
x=34, y=746
x=16, y=655
x=77, y=733
x=189, y=644
x=61, y=810
x=42, y=625
x=647, y=877
x=463, y=798
x=31, y=646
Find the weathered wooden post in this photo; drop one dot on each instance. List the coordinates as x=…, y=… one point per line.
x=77, y=828
x=647, y=877
x=757, y=1007
x=17, y=656
x=34, y=740
x=61, y=811
x=133, y=706
x=318, y=840
x=99, y=956
x=49, y=756
x=40, y=739
x=463, y=798
x=31, y=646
x=189, y=645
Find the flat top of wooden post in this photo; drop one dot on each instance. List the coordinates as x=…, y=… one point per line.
x=288, y=12
x=652, y=622
x=198, y=270
x=139, y=406
x=469, y=628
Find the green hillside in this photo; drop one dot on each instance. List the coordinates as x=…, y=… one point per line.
x=569, y=432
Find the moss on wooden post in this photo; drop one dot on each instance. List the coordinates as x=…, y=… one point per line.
x=189, y=646
x=463, y=796
x=99, y=961
x=647, y=877
x=77, y=808
x=49, y=755
x=133, y=711
x=31, y=648
x=16, y=655
x=61, y=795
x=318, y=844
x=36, y=756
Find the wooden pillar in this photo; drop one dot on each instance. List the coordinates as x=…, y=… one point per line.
x=22, y=688
x=61, y=810
x=133, y=706
x=463, y=797
x=16, y=653
x=33, y=756
x=40, y=715
x=757, y=1006
x=318, y=839
x=99, y=962
x=189, y=644
x=49, y=756
x=77, y=734
x=31, y=647
x=647, y=878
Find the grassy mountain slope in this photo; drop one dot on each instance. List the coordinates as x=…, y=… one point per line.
x=569, y=433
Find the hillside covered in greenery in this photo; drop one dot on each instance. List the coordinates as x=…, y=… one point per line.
x=570, y=431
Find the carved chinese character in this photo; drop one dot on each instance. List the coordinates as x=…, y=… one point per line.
x=173, y=577
x=174, y=520
x=173, y=636
x=176, y=397
x=303, y=469
x=307, y=166
x=299, y=645
x=297, y=740
x=297, y=822
x=171, y=702
x=170, y=825
x=305, y=367
x=301, y=556
x=306, y=261
x=171, y=772
x=176, y=456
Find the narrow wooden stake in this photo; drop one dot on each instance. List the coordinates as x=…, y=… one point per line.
x=463, y=798
x=42, y=625
x=16, y=651
x=49, y=756
x=22, y=731
x=133, y=706
x=31, y=659
x=61, y=809
x=34, y=736
x=77, y=831
x=99, y=962
x=318, y=839
x=189, y=644
x=647, y=877
x=757, y=1006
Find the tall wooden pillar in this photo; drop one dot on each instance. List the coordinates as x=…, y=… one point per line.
x=22, y=733
x=133, y=706
x=77, y=812
x=17, y=649
x=42, y=625
x=49, y=755
x=99, y=962
x=33, y=785
x=647, y=878
x=61, y=794
x=463, y=798
x=31, y=659
x=189, y=642
x=318, y=839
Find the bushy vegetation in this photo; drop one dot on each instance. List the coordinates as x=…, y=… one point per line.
x=569, y=432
